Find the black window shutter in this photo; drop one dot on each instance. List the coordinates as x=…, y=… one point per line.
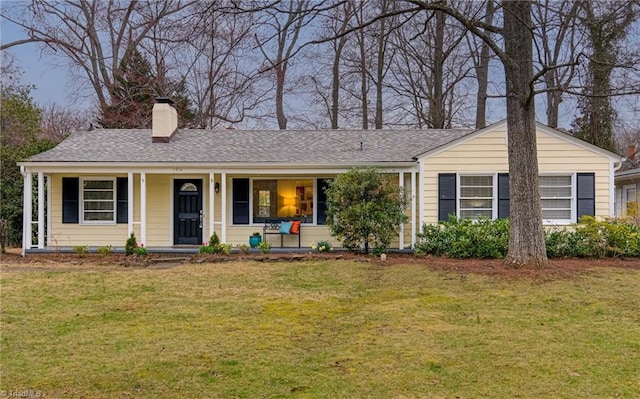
x=240, y=201
x=322, y=201
x=70, y=199
x=122, y=192
x=446, y=195
x=503, y=195
x=586, y=189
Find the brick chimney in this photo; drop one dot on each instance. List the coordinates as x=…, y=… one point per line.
x=631, y=152
x=164, y=121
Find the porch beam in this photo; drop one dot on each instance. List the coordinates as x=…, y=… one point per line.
x=212, y=200
x=26, y=210
x=40, y=210
x=223, y=203
x=401, y=240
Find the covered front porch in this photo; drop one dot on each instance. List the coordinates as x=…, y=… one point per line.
x=175, y=210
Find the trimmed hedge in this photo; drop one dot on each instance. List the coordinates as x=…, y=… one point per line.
x=485, y=238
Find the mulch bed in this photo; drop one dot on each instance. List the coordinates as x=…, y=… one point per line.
x=558, y=268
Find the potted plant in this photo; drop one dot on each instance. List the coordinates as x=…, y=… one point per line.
x=255, y=239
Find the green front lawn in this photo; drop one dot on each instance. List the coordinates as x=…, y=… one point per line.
x=323, y=329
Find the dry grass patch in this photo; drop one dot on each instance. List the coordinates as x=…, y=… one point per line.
x=323, y=329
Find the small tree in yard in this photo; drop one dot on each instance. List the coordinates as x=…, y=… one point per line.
x=365, y=208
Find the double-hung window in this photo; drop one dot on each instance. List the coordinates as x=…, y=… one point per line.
x=564, y=198
x=476, y=197
x=556, y=194
x=98, y=201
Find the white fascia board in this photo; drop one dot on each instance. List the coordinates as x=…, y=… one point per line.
x=631, y=173
x=181, y=168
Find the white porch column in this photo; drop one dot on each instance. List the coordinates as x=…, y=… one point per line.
x=129, y=204
x=143, y=208
x=212, y=199
x=421, y=217
x=413, y=210
x=48, y=185
x=26, y=211
x=40, y=210
x=223, y=203
x=401, y=240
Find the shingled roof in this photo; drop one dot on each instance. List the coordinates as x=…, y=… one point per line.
x=321, y=147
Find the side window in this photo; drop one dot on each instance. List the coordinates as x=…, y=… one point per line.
x=98, y=201
x=556, y=198
x=476, y=197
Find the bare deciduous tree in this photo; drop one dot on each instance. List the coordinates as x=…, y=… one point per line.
x=329, y=56
x=430, y=67
x=557, y=50
x=94, y=36
x=219, y=70
x=56, y=122
x=480, y=54
x=283, y=23
x=607, y=25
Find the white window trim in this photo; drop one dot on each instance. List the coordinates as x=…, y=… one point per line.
x=574, y=195
x=115, y=201
x=625, y=198
x=494, y=189
x=284, y=177
x=494, y=213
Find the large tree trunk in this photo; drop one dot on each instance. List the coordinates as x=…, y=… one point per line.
x=280, y=116
x=526, y=239
x=436, y=103
x=482, y=75
x=364, y=100
x=337, y=58
x=382, y=46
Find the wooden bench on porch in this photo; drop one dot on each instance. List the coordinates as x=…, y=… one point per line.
x=282, y=228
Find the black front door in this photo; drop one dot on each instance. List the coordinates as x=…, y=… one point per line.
x=187, y=225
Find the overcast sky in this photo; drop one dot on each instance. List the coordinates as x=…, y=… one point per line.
x=51, y=81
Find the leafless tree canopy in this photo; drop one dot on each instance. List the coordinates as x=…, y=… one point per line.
x=340, y=63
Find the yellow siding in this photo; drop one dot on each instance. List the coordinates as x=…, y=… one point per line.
x=488, y=154
x=69, y=234
x=158, y=210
